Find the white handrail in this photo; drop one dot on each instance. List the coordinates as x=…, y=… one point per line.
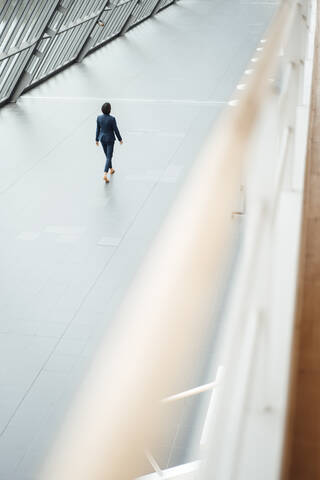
x=211, y=407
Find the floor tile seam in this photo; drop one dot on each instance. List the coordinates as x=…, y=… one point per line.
x=227, y=69
x=30, y=445
x=155, y=58
x=28, y=390
x=272, y=4
x=172, y=156
x=187, y=131
x=174, y=101
x=61, y=142
x=74, y=316
x=168, y=165
x=134, y=33
x=43, y=367
x=131, y=223
x=151, y=60
x=155, y=184
x=92, y=286
x=112, y=255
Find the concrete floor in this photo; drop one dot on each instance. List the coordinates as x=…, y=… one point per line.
x=70, y=245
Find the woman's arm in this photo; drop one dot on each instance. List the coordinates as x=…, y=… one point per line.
x=116, y=130
x=97, y=130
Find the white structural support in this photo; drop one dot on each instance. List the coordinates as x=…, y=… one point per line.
x=154, y=464
x=248, y=431
x=212, y=406
x=188, y=471
x=190, y=393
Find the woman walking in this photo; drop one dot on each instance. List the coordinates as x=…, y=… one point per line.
x=106, y=131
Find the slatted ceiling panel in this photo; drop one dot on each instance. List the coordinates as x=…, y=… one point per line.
x=114, y=21
x=23, y=25
x=67, y=44
x=165, y=3
x=67, y=47
x=23, y=21
x=125, y=11
x=74, y=42
x=121, y=18
x=10, y=68
x=98, y=33
x=144, y=9
x=5, y=66
x=79, y=9
x=17, y=69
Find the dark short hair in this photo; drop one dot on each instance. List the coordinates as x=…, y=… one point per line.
x=106, y=108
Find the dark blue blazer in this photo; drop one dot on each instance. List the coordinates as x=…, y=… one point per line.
x=106, y=128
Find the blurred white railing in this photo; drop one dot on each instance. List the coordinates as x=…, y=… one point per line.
x=257, y=150
x=248, y=429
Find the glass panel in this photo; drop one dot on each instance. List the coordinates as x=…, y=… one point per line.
x=80, y=10
x=99, y=32
x=56, y=21
x=36, y=62
x=42, y=20
x=44, y=61
x=144, y=9
x=77, y=42
x=22, y=22
x=3, y=64
x=50, y=57
x=10, y=70
x=53, y=61
x=16, y=70
x=165, y=3
x=114, y=19
x=59, y=51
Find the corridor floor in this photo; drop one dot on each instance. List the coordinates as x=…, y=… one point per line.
x=70, y=245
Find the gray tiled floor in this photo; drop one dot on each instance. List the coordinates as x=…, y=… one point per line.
x=70, y=245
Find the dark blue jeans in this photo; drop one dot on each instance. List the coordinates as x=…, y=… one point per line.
x=108, y=150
